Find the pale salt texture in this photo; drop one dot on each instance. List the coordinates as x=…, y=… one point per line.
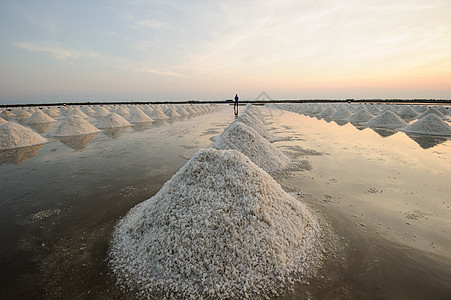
x=51, y=112
x=387, y=119
x=182, y=111
x=190, y=110
x=100, y=112
x=22, y=114
x=341, y=114
x=74, y=125
x=430, y=124
x=221, y=227
x=373, y=109
x=7, y=114
x=77, y=112
x=39, y=117
x=13, y=135
x=432, y=110
x=112, y=120
x=362, y=116
x=245, y=139
x=2, y=121
x=121, y=110
x=138, y=116
x=255, y=123
x=327, y=112
x=157, y=114
x=171, y=112
x=407, y=113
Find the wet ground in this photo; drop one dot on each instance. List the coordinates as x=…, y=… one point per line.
x=385, y=196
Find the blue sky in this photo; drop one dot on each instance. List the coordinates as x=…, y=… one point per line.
x=181, y=50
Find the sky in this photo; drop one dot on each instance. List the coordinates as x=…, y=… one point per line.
x=138, y=50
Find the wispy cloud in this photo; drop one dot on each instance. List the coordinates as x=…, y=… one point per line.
x=58, y=52
x=158, y=72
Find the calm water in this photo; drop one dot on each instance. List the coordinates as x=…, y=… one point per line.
x=384, y=194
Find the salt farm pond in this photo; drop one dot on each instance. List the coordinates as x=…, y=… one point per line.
x=381, y=198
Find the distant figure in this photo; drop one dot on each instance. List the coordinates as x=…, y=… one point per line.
x=235, y=106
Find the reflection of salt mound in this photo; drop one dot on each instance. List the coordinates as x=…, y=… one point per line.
x=18, y=156
x=39, y=117
x=407, y=113
x=362, y=116
x=138, y=116
x=243, y=138
x=432, y=111
x=431, y=124
x=112, y=120
x=74, y=125
x=341, y=114
x=13, y=135
x=220, y=228
x=387, y=119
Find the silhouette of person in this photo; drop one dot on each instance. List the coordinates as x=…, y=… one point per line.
x=235, y=106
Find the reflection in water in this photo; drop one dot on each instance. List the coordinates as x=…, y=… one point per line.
x=158, y=123
x=115, y=133
x=77, y=142
x=426, y=141
x=139, y=127
x=341, y=122
x=18, y=156
x=384, y=132
x=41, y=128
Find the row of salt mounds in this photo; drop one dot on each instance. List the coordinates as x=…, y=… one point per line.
x=245, y=139
x=221, y=227
x=254, y=122
x=13, y=135
x=387, y=119
x=158, y=114
x=433, y=111
x=74, y=125
x=112, y=120
x=430, y=124
x=362, y=116
x=39, y=117
x=138, y=116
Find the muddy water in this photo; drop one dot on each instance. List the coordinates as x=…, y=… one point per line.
x=384, y=194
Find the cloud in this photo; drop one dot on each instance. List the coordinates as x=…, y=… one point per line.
x=56, y=51
x=158, y=72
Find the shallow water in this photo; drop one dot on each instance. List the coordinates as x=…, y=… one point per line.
x=385, y=195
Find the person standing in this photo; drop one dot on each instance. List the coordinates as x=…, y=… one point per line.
x=235, y=106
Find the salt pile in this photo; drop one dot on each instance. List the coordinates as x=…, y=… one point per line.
x=171, y=112
x=190, y=110
x=100, y=112
x=181, y=111
x=157, y=114
x=23, y=114
x=39, y=117
x=220, y=228
x=431, y=124
x=74, y=125
x=7, y=114
x=88, y=110
x=138, y=116
x=243, y=138
x=387, y=119
x=51, y=112
x=112, y=120
x=254, y=123
x=2, y=121
x=327, y=112
x=362, y=116
x=77, y=112
x=374, y=109
x=407, y=113
x=13, y=135
x=122, y=111
x=432, y=111
x=341, y=114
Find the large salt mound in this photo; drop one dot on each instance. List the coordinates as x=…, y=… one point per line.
x=362, y=116
x=255, y=123
x=407, y=113
x=245, y=139
x=13, y=135
x=387, y=119
x=39, y=117
x=341, y=114
x=432, y=111
x=220, y=228
x=74, y=125
x=430, y=124
x=112, y=120
x=138, y=116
